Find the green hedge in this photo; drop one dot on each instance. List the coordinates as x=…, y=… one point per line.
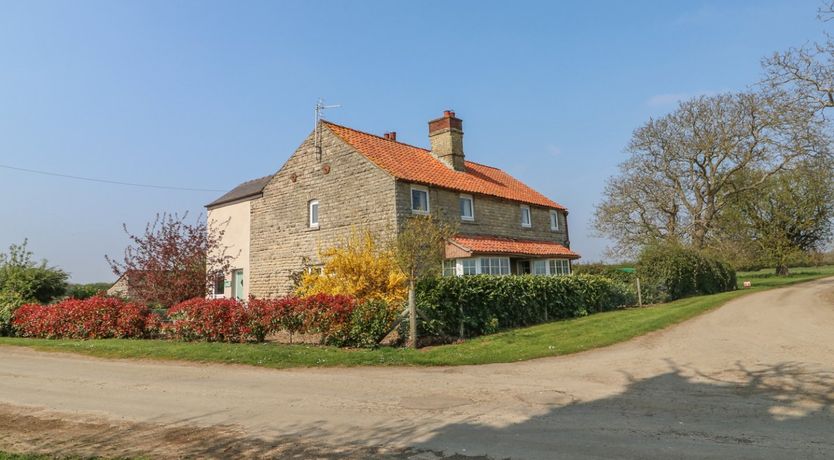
x=484, y=304
x=670, y=272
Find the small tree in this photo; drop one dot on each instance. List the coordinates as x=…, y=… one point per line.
x=420, y=247
x=358, y=267
x=169, y=262
x=22, y=280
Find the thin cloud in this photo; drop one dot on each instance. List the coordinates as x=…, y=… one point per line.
x=554, y=150
x=659, y=100
x=667, y=99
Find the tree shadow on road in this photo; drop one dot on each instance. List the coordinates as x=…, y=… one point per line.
x=778, y=411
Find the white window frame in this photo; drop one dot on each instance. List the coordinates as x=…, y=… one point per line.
x=563, y=270
x=479, y=267
x=540, y=262
x=554, y=221
x=502, y=264
x=529, y=216
x=449, y=268
x=310, y=205
x=549, y=267
x=476, y=266
x=420, y=188
x=462, y=197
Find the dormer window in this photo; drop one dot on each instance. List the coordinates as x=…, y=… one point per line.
x=526, y=221
x=419, y=199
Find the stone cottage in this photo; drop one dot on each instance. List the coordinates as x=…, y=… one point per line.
x=341, y=178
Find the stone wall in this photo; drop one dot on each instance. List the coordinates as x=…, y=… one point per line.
x=352, y=193
x=493, y=216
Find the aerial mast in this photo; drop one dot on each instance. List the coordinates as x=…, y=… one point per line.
x=320, y=108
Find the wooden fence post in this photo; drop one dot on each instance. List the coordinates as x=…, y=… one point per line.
x=639, y=294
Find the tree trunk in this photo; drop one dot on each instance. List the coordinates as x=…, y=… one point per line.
x=782, y=270
x=412, y=315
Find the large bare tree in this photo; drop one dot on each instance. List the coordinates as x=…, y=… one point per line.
x=805, y=73
x=685, y=167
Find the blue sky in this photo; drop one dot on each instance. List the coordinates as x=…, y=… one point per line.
x=208, y=94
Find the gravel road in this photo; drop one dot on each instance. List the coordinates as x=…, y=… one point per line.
x=753, y=379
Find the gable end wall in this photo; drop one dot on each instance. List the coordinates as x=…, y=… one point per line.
x=354, y=194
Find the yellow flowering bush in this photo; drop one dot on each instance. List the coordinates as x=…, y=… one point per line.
x=359, y=267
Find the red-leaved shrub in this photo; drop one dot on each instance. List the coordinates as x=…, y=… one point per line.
x=226, y=320
x=328, y=315
x=334, y=317
x=96, y=317
x=212, y=320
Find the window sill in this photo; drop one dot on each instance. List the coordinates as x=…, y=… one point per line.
x=313, y=229
x=420, y=213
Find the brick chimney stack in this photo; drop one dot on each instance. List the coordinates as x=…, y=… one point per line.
x=446, y=136
x=392, y=136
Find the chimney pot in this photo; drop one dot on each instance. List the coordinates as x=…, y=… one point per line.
x=392, y=135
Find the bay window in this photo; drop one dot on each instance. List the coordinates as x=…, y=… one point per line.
x=559, y=267
x=469, y=266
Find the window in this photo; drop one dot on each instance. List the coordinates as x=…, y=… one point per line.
x=314, y=214
x=559, y=267
x=219, y=286
x=477, y=266
x=554, y=221
x=555, y=267
x=469, y=266
x=419, y=200
x=467, y=208
x=525, y=216
x=449, y=268
x=495, y=266
x=317, y=269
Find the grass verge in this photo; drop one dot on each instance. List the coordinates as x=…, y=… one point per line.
x=550, y=339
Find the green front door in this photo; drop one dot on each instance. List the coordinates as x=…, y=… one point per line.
x=237, y=284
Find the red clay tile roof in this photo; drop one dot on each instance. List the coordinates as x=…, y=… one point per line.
x=495, y=245
x=415, y=164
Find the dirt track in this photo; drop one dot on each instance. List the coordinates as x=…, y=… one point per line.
x=753, y=379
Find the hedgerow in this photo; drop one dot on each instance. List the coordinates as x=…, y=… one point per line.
x=669, y=272
x=469, y=306
x=97, y=317
x=339, y=320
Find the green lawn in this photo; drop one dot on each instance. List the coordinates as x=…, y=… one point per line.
x=551, y=339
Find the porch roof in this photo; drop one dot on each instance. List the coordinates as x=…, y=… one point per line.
x=466, y=246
